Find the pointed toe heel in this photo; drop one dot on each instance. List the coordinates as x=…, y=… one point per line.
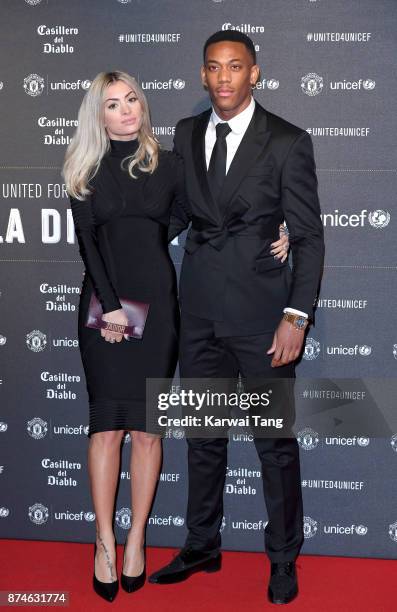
x=106, y=590
x=131, y=584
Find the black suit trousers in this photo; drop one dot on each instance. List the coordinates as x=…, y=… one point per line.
x=204, y=355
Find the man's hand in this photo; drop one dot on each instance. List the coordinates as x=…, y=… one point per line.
x=280, y=247
x=287, y=344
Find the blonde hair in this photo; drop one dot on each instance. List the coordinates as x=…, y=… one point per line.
x=91, y=142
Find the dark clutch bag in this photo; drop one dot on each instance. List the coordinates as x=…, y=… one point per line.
x=136, y=312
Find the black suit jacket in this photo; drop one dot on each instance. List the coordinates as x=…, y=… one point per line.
x=228, y=274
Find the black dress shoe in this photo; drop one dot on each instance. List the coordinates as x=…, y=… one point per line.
x=186, y=563
x=132, y=583
x=106, y=590
x=283, y=585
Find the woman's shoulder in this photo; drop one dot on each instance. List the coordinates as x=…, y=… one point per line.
x=102, y=180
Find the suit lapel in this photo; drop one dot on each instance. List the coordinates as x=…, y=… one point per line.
x=200, y=164
x=252, y=145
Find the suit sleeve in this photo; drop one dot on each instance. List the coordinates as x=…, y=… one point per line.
x=83, y=219
x=301, y=209
x=180, y=211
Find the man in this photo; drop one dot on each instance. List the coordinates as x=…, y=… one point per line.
x=246, y=170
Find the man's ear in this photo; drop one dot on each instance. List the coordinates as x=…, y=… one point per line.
x=255, y=74
x=203, y=76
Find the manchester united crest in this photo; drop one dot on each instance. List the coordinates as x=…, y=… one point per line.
x=312, y=84
x=36, y=341
x=33, y=85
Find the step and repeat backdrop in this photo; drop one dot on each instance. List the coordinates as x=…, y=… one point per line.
x=328, y=67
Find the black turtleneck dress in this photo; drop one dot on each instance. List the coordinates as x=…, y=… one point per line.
x=122, y=234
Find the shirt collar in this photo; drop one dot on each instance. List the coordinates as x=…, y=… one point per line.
x=240, y=122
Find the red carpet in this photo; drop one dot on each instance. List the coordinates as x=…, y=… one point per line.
x=327, y=584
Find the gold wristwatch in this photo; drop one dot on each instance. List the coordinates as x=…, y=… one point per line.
x=296, y=320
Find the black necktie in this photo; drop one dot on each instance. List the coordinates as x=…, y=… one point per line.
x=217, y=166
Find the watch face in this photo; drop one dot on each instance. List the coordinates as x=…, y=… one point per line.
x=300, y=322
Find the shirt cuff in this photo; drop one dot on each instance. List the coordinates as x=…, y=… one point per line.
x=298, y=312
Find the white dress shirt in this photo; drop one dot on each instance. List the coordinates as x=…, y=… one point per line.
x=238, y=126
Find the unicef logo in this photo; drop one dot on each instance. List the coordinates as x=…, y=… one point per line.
x=365, y=350
x=310, y=527
x=178, y=434
x=1, y=85
x=223, y=524
x=38, y=514
x=4, y=512
x=37, y=428
x=36, y=341
x=393, y=531
x=89, y=516
x=369, y=84
x=123, y=518
x=3, y=426
x=361, y=530
x=363, y=441
x=273, y=84
x=178, y=84
x=3, y=340
x=312, y=349
x=86, y=84
x=308, y=439
x=124, y=1
x=33, y=85
x=379, y=218
x=312, y=84
x=393, y=442
x=178, y=521
x=32, y=2
x=395, y=351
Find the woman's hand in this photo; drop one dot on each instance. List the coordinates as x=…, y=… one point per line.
x=280, y=247
x=120, y=318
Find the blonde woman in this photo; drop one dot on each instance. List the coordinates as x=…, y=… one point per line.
x=122, y=189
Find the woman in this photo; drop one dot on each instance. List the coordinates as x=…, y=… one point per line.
x=122, y=188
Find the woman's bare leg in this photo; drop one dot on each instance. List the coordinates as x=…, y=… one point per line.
x=146, y=455
x=103, y=469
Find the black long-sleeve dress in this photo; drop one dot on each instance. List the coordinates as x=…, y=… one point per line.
x=122, y=234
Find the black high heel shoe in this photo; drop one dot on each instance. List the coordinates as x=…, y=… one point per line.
x=132, y=583
x=106, y=590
